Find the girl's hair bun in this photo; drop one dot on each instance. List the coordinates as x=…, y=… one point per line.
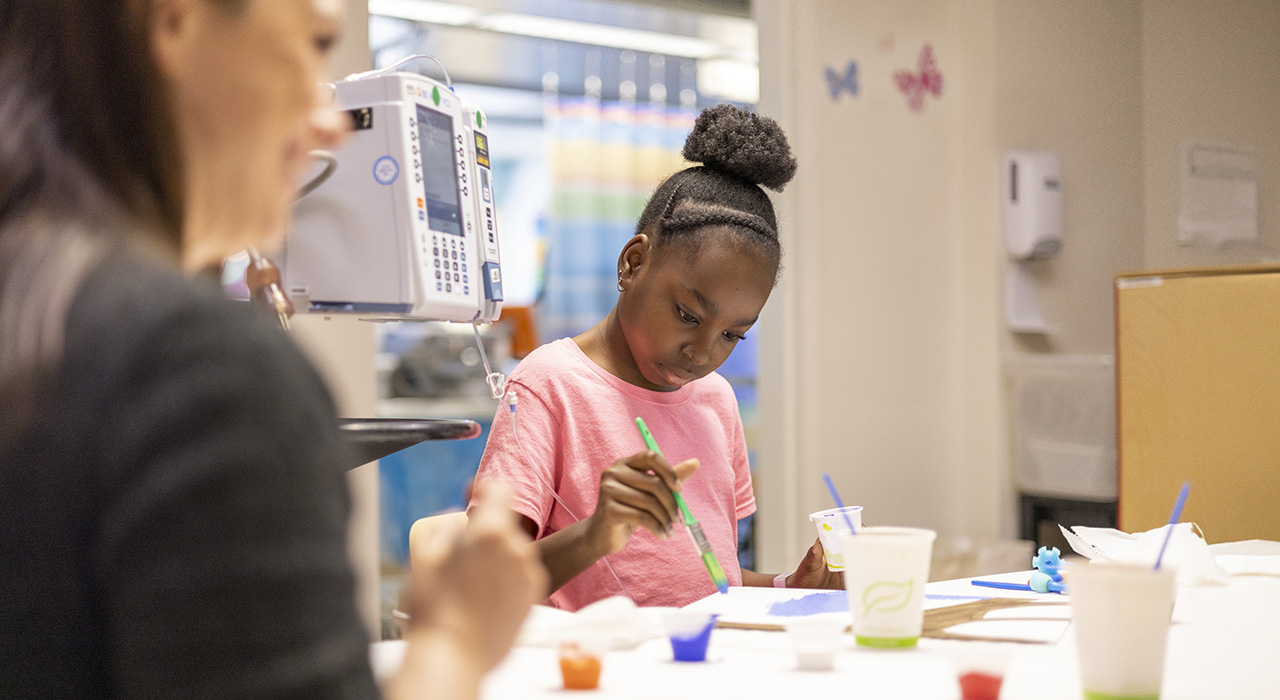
x=732, y=140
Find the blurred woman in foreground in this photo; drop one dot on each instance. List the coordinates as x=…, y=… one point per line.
x=173, y=505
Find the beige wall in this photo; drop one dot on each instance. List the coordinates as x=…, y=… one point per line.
x=1211, y=71
x=884, y=354
x=879, y=357
x=1068, y=79
x=984, y=491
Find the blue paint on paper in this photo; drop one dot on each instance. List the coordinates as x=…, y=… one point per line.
x=838, y=602
x=812, y=604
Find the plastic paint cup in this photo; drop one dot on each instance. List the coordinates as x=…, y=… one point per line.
x=830, y=524
x=980, y=669
x=690, y=633
x=581, y=662
x=887, y=568
x=815, y=640
x=1121, y=615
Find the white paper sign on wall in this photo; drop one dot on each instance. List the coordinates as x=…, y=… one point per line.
x=1219, y=202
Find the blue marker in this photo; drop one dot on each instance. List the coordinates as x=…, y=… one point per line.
x=1005, y=586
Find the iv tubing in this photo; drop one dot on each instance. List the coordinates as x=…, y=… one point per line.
x=511, y=411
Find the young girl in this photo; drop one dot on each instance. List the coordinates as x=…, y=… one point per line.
x=691, y=284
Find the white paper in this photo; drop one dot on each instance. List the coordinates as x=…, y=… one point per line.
x=1187, y=550
x=1219, y=201
x=1042, y=631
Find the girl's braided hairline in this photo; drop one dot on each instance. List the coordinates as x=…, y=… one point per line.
x=694, y=213
x=701, y=214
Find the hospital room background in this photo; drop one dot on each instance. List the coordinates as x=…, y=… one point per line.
x=940, y=381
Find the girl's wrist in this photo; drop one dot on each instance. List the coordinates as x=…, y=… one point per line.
x=596, y=537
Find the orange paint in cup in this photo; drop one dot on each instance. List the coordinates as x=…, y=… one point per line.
x=579, y=667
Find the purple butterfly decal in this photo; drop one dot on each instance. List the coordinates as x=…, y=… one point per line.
x=837, y=83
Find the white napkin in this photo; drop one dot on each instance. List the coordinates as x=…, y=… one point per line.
x=1187, y=550
x=615, y=619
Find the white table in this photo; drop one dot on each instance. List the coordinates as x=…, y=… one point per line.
x=1224, y=643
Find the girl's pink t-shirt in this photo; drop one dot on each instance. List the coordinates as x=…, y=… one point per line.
x=574, y=420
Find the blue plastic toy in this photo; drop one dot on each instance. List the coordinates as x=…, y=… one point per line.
x=1046, y=579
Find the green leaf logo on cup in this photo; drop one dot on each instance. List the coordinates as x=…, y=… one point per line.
x=886, y=596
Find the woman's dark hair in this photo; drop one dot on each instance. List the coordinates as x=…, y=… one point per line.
x=88, y=154
x=739, y=151
x=84, y=114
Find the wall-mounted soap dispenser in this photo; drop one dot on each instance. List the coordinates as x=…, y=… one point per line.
x=1032, y=217
x=1033, y=205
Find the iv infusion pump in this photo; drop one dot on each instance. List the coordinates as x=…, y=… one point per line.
x=404, y=228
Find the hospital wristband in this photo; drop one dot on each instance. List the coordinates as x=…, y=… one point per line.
x=780, y=581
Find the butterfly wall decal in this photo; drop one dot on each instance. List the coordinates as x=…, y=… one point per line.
x=918, y=85
x=837, y=83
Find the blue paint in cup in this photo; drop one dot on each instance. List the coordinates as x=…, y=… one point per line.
x=690, y=635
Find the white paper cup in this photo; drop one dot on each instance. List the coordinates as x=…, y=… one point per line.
x=1121, y=615
x=830, y=524
x=815, y=639
x=886, y=569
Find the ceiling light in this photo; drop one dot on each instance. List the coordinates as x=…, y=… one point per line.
x=556, y=29
x=425, y=11
x=597, y=35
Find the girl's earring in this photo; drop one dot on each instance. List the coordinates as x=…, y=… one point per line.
x=620, y=289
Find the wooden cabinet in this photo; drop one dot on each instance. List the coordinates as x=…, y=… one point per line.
x=1198, y=399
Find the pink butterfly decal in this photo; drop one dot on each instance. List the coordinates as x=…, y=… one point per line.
x=916, y=86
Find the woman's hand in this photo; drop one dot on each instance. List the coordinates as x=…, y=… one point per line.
x=813, y=573
x=636, y=491
x=473, y=584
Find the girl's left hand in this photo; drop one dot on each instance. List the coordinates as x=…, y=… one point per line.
x=813, y=573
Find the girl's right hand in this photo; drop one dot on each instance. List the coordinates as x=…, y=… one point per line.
x=636, y=491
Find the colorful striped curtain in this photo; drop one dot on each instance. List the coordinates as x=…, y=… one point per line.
x=606, y=158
